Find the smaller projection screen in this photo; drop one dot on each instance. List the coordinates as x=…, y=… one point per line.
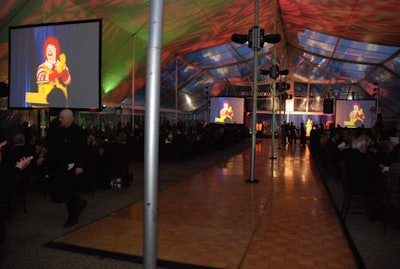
x=55, y=65
x=228, y=110
x=355, y=113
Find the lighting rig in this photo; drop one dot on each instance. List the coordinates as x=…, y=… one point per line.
x=274, y=72
x=281, y=87
x=256, y=38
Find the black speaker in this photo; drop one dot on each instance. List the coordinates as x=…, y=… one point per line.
x=4, y=90
x=328, y=106
x=249, y=104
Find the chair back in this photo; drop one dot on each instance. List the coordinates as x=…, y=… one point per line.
x=392, y=189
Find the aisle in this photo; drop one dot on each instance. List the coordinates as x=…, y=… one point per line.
x=216, y=220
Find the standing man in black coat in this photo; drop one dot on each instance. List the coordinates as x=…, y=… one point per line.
x=66, y=157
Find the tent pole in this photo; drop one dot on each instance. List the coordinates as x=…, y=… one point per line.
x=273, y=94
x=133, y=84
x=255, y=91
x=152, y=125
x=176, y=92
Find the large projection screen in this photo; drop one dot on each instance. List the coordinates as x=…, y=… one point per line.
x=55, y=65
x=355, y=113
x=227, y=110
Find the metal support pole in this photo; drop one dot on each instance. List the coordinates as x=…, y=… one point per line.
x=176, y=90
x=152, y=124
x=43, y=122
x=255, y=88
x=133, y=85
x=273, y=94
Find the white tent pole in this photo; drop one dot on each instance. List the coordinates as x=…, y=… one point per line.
x=152, y=124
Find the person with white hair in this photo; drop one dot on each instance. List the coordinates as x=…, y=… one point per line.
x=361, y=143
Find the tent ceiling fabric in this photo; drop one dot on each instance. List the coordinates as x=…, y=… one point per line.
x=330, y=42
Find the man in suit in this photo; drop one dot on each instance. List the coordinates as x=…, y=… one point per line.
x=66, y=158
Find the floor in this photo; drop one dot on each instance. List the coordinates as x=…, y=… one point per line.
x=215, y=219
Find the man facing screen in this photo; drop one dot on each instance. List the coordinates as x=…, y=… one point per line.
x=52, y=76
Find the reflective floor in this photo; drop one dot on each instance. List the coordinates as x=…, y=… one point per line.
x=215, y=219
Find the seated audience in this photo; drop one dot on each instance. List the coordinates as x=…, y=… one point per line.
x=11, y=176
x=365, y=174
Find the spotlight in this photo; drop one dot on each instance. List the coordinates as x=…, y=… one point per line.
x=272, y=39
x=283, y=86
x=274, y=72
x=240, y=39
x=285, y=96
x=256, y=38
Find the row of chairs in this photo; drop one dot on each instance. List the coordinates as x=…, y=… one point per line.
x=361, y=203
x=391, y=198
x=355, y=202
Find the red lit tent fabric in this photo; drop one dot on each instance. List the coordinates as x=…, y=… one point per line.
x=324, y=43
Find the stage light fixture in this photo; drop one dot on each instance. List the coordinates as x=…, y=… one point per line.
x=376, y=90
x=274, y=72
x=285, y=96
x=272, y=38
x=240, y=39
x=256, y=38
x=283, y=86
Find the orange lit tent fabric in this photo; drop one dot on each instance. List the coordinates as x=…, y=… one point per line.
x=323, y=43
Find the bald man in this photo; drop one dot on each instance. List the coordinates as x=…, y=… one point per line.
x=66, y=159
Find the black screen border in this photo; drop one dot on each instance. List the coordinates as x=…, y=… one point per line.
x=78, y=108
x=341, y=113
x=214, y=113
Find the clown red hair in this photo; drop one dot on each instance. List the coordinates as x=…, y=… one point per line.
x=51, y=40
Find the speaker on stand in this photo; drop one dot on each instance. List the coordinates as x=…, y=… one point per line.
x=328, y=106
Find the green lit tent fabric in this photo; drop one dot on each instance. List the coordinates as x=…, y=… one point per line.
x=330, y=47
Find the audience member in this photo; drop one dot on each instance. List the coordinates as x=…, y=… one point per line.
x=365, y=174
x=284, y=132
x=11, y=177
x=292, y=133
x=302, y=135
x=120, y=161
x=331, y=153
x=395, y=147
x=26, y=131
x=315, y=142
x=17, y=150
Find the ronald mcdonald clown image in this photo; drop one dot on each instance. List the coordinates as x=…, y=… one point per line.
x=53, y=76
